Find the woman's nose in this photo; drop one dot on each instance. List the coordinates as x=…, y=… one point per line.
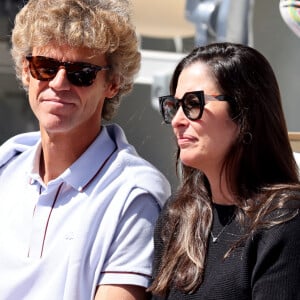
x=179, y=118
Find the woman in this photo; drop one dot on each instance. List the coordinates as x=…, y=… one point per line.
x=232, y=229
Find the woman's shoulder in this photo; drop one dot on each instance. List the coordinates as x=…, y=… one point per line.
x=282, y=233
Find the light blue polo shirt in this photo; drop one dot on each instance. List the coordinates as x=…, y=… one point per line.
x=92, y=225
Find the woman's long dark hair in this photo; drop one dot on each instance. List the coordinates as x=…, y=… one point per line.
x=260, y=168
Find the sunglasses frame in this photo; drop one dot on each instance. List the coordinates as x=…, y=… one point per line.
x=201, y=97
x=34, y=67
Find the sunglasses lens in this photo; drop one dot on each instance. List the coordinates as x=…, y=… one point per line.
x=42, y=68
x=78, y=73
x=81, y=75
x=192, y=106
x=169, y=108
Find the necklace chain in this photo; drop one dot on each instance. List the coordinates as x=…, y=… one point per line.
x=215, y=238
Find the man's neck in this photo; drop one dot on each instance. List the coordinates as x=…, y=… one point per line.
x=60, y=151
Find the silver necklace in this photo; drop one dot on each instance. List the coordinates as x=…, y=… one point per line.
x=215, y=238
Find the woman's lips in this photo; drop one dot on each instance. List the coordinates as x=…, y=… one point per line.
x=185, y=140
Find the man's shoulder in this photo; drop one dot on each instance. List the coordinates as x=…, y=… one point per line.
x=17, y=144
x=127, y=156
x=134, y=169
x=23, y=140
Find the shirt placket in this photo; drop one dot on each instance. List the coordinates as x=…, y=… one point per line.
x=41, y=220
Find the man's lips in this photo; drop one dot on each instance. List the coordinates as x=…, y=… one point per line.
x=59, y=100
x=56, y=101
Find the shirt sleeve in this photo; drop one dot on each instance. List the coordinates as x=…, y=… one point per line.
x=129, y=260
x=276, y=274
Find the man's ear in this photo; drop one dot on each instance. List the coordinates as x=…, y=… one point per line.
x=113, y=88
x=25, y=74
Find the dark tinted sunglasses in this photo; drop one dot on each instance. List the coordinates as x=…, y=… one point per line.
x=78, y=73
x=192, y=104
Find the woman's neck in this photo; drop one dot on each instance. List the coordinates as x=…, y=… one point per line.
x=221, y=192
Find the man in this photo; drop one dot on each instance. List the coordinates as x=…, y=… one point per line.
x=77, y=204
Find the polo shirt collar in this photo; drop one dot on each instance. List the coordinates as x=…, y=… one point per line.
x=85, y=168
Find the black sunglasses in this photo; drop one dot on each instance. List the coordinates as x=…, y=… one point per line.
x=78, y=73
x=192, y=104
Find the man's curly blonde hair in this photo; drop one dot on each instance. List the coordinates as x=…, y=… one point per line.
x=101, y=25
